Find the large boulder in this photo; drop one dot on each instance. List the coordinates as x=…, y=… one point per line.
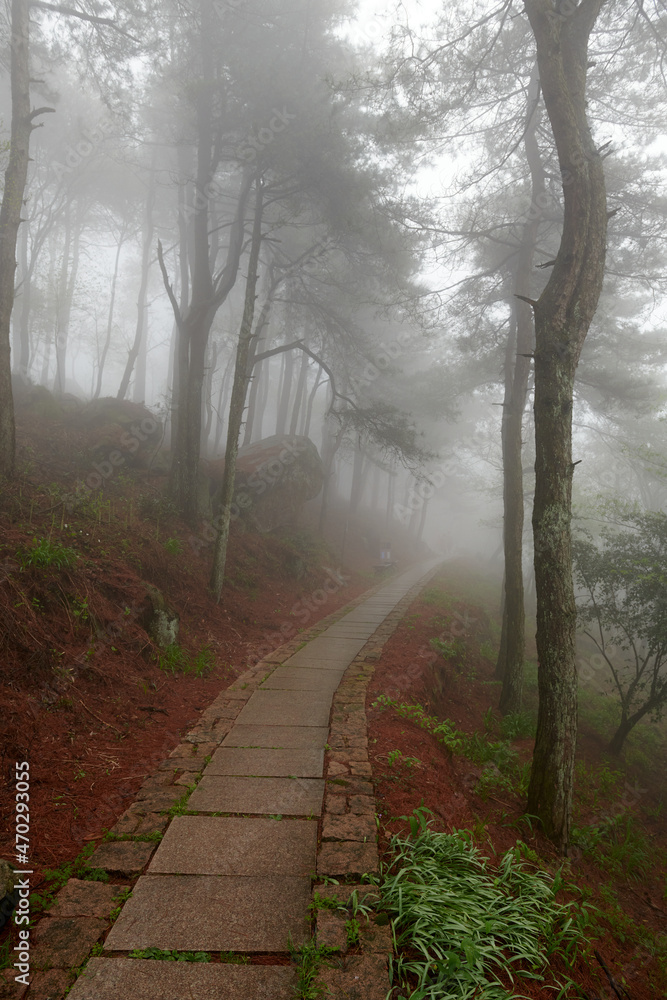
x=274, y=478
x=117, y=427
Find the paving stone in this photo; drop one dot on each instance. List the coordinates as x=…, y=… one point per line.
x=376, y=938
x=284, y=796
x=49, y=985
x=336, y=804
x=280, y=737
x=361, y=769
x=289, y=708
x=86, y=899
x=342, y=893
x=152, y=823
x=362, y=805
x=331, y=931
x=125, y=856
x=127, y=823
x=349, y=786
x=186, y=778
x=302, y=679
x=163, y=799
x=336, y=769
x=358, y=977
x=349, y=755
x=267, y=763
x=217, y=845
x=120, y=979
x=9, y=988
x=212, y=913
x=349, y=827
x=64, y=942
x=188, y=751
x=154, y=783
x=347, y=858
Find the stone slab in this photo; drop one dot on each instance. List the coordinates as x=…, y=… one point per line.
x=266, y=763
x=64, y=942
x=125, y=856
x=347, y=858
x=221, y=845
x=9, y=988
x=349, y=827
x=303, y=679
x=285, y=737
x=49, y=985
x=282, y=796
x=285, y=708
x=120, y=979
x=359, y=977
x=212, y=913
x=86, y=899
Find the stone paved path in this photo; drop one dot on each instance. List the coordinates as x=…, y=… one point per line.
x=234, y=874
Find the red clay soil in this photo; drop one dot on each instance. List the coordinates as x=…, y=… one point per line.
x=445, y=784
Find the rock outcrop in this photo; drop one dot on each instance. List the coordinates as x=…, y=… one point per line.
x=274, y=478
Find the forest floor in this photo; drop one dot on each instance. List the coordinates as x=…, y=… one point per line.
x=619, y=861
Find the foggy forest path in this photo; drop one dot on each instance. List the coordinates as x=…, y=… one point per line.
x=235, y=873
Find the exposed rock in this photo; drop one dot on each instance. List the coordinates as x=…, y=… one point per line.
x=158, y=619
x=118, y=433
x=274, y=478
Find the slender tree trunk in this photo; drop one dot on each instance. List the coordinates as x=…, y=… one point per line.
x=239, y=391
x=208, y=395
x=22, y=332
x=107, y=338
x=357, y=477
x=305, y=430
x=300, y=395
x=256, y=344
x=137, y=353
x=286, y=394
x=10, y=217
x=563, y=315
x=512, y=646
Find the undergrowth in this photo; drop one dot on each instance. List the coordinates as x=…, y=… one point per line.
x=458, y=921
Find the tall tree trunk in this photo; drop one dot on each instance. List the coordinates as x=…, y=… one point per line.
x=286, y=393
x=10, y=217
x=239, y=390
x=563, y=315
x=63, y=302
x=22, y=331
x=137, y=353
x=357, y=477
x=305, y=430
x=512, y=646
x=107, y=338
x=300, y=394
x=257, y=342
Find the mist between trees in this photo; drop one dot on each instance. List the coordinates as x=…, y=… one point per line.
x=434, y=249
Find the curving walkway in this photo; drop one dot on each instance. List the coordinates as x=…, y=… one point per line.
x=234, y=874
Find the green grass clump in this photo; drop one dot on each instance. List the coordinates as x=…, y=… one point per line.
x=45, y=554
x=174, y=660
x=171, y=956
x=458, y=922
x=56, y=878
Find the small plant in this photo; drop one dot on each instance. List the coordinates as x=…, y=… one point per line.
x=173, y=546
x=352, y=932
x=173, y=660
x=233, y=958
x=486, y=650
x=45, y=554
x=307, y=959
x=517, y=726
x=451, y=649
x=171, y=956
x=56, y=878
